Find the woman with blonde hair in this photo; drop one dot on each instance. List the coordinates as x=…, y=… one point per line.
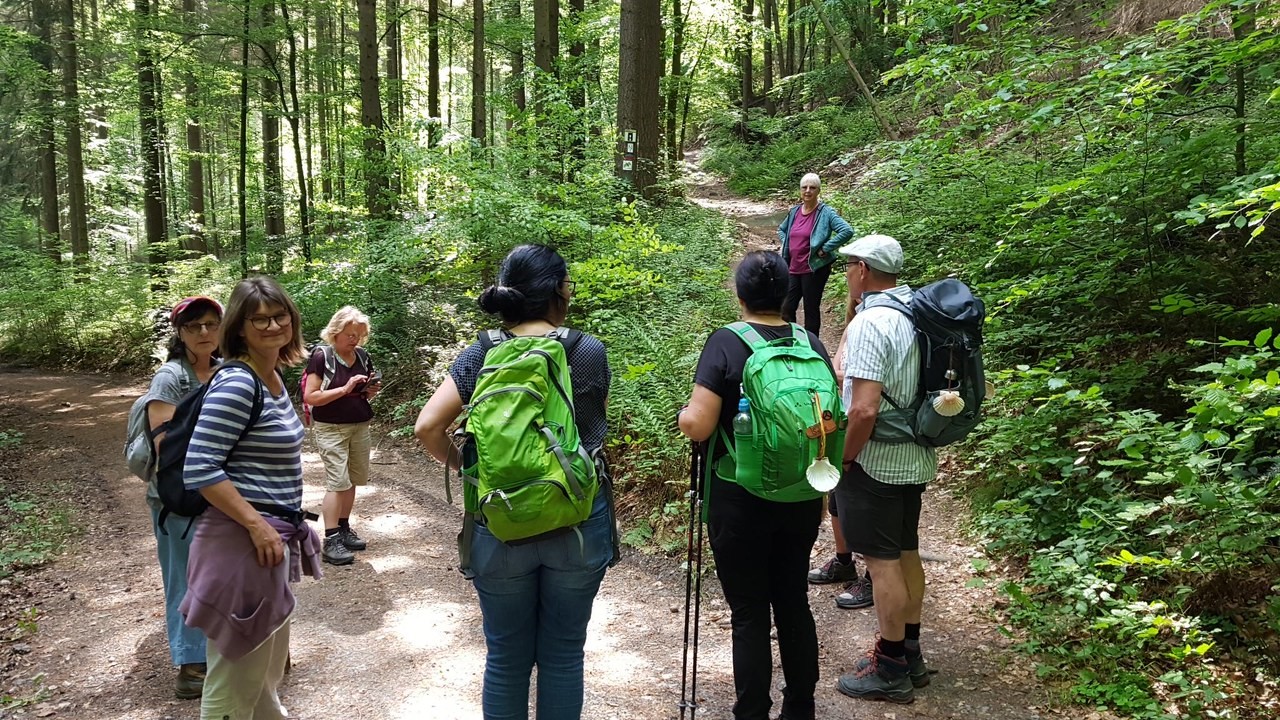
x=340, y=383
x=245, y=458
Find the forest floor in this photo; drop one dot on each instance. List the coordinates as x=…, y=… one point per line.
x=397, y=634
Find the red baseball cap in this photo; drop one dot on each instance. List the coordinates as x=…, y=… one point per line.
x=188, y=302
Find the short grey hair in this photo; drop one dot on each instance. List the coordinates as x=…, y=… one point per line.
x=345, y=316
x=811, y=176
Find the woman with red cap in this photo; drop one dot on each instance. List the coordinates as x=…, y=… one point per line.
x=193, y=356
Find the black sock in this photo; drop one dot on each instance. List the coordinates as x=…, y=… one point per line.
x=913, y=631
x=844, y=558
x=344, y=523
x=893, y=648
x=330, y=532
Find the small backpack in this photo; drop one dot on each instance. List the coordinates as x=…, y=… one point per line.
x=796, y=417
x=139, y=441
x=330, y=367
x=175, y=498
x=948, y=325
x=526, y=474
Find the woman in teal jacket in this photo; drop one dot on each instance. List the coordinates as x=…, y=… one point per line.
x=810, y=236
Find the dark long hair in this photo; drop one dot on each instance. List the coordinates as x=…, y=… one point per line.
x=191, y=313
x=529, y=281
x=761, y=281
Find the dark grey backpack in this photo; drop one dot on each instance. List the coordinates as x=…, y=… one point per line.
x=948, y=323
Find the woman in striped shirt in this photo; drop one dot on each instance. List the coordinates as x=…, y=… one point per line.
x=250, y=471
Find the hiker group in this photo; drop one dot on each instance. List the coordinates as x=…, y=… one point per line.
x=778, y=428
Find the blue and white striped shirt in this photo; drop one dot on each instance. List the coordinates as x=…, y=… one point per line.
x=266, y=466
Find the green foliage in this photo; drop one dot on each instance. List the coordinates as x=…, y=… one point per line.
x=31, y=532
x=784, y=148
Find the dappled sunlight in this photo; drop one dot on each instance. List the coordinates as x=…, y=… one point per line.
x=388, y=563
x=430, y=623
x=394, y=524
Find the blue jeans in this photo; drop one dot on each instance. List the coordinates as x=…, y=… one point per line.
x=536, y=601
x=186, y=645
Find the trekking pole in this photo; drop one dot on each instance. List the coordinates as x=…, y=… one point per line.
x=696, y=501
x=685, y=704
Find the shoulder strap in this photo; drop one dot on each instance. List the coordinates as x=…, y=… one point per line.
x=568, y=337
x=749, y=335
x=255, y=411
x=801, y=336
x=896, y=304
x=489, y=339
x=362, y=356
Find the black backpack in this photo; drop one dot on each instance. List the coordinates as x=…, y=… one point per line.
x=948, y=322
x=175, y=498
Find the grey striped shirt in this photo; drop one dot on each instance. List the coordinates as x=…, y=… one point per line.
x=882, y=348
x=266, y=466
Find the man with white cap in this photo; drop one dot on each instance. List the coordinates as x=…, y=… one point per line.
x=881, y=483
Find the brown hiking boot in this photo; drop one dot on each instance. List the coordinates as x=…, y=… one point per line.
x=190, y=683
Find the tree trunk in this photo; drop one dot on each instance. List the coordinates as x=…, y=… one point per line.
x=546, y=34
x=433, y=58
x=395, y=91
x=42, y=51
x=195, y=240
x=375, y=148
x=477, y=73
x=789, y=64
x=324, y=60
x=100, y=108
x=768, y=56
x=675, y=82
x=340, y=107
x=518, y=94
x=272, y=174
x=242, y=169
x=153, y=210
x=77, y=210
x=639, y=68
x=294, y=116
x=747, y=41
x=577, y=83
x=1242, y=26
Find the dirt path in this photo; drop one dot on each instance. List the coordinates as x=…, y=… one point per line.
x=397, y=634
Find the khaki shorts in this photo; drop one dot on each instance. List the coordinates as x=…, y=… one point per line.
x=344, y=449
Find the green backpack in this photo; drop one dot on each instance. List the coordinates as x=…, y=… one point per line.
x=526, y=475
x=796, y=417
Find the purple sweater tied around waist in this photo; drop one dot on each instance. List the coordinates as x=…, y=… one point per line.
x=237, y=603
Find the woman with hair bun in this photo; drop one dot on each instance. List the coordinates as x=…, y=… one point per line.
x=761, y=547
x=535, y=596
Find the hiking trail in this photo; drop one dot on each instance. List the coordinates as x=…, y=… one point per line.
x=397, y=634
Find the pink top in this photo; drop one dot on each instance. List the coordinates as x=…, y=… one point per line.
x=801, y=230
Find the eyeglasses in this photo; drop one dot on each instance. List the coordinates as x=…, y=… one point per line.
x=262, y=323
x=573, y=285
x=195, y=328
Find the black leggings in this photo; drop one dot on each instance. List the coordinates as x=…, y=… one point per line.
x=762, y=559
x=809, y=286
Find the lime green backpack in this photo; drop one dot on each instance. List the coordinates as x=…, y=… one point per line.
x=796, y=417
x=526, y=476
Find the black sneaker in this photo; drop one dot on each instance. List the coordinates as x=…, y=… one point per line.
x=857, y=594
x=335, y=552
x=879, y=677
x=834, y=571
x=350, y=539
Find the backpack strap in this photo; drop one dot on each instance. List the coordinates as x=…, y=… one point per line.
x=489, y=339
x=362, y=356
x=749, y=335
x=330, y=366
x=894, y=303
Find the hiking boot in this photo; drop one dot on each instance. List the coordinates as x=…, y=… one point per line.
x=917, y=670
x=350, y=539
x=857, y=594
x=335, y=552
x=833, y=572
x=879, y=677
x=190, y=684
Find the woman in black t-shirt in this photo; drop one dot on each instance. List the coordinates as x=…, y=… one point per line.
x=761, y=547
